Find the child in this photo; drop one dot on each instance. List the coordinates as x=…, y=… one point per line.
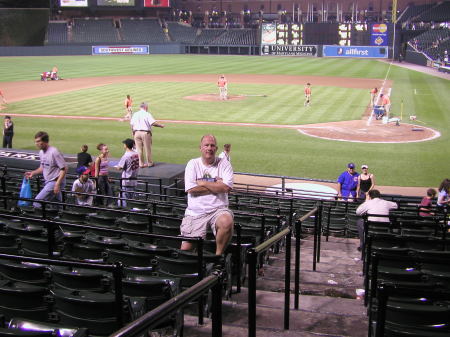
x=84, y=185
x=426, y=203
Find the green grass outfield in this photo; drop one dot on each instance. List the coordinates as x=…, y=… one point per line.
x=258, y=150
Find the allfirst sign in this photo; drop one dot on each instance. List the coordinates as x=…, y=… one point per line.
x=356, y=51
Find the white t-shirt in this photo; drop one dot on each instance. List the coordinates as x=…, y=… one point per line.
x=225, y=155
x=203, y=204
x=87, y=187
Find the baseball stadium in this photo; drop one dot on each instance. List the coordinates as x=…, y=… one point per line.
x=305, y=92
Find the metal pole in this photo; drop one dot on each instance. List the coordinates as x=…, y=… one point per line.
x=238, y=262
x=319, y=234
x=298, y=226
x=50, y=238
x=117, y=274
x=287, y=280
x=315, y=241
x=200, y=277
x=216, y=314
x=252, y=257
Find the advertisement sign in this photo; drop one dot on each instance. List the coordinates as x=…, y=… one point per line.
x=268, y=33
x=156, y=3
x=73, y=3
x=288, y=50
x=355, y=51
x=115, y=2
x=379, y=35
x=114, y=50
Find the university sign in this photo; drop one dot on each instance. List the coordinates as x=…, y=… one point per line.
x=288, y=50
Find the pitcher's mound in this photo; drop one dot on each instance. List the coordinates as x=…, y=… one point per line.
x=213, y=97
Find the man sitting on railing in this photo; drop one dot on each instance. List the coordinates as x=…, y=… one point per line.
x=373, y=205
x=208, y=180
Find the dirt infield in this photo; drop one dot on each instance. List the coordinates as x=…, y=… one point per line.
x=353, y=131
x=376, y=132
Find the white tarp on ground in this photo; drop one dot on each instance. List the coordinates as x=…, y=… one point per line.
x=307, y=190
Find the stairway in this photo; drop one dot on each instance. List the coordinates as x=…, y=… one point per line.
x=327, y=306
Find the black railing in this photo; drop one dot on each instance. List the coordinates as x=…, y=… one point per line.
x=140, y=326
x=252, y=258
x=298, y=230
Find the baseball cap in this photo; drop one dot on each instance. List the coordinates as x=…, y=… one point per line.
x=128, y=142
x=351, y=165
x=81, y=169
x=87, y=171
x=364, y=166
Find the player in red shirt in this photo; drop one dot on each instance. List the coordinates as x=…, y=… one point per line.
x=2, y=97
x=223, y=87
x=307, y=94
x=373, y=96
x=128, y=107
x=386, y=103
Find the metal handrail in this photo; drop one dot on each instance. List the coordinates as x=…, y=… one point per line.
x=153, y=317
x=252, y=257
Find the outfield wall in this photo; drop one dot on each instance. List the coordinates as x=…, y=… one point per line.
x=186, y=49
x=175, y=48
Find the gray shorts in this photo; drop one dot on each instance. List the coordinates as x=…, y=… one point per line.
x=196, y=226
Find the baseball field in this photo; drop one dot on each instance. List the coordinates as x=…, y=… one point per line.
x=270, y=130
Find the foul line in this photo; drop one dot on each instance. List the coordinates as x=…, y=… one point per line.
x=261, y=125
x=380, y=91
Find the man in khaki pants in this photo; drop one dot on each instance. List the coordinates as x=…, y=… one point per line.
x=141, y=124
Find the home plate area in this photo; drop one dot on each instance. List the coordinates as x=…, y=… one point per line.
x=376, y=132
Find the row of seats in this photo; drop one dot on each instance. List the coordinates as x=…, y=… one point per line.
x=418, y=262
x=144, y=31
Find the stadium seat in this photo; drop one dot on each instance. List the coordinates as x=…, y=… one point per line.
x=19, y=299
x=94, y=311
x=72, y=278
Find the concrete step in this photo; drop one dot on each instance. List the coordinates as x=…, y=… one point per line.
x=346, y=280
x=276, y=285
x=300, y=320
x=192, y=329
x=318, y=304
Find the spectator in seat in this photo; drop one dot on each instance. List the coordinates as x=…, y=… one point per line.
x=84, y=185
x=373, y=205
x=426, y=203
x=208, y=179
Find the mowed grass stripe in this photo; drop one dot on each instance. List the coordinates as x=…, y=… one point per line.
x=29, y=68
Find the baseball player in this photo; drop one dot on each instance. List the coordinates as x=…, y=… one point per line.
x=2, y=98
x=128, y=107
x=373, y=96
x=386, y=103
x=307, y=94
x=223, y=87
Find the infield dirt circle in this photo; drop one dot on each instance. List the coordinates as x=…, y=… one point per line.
x=353, y=131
